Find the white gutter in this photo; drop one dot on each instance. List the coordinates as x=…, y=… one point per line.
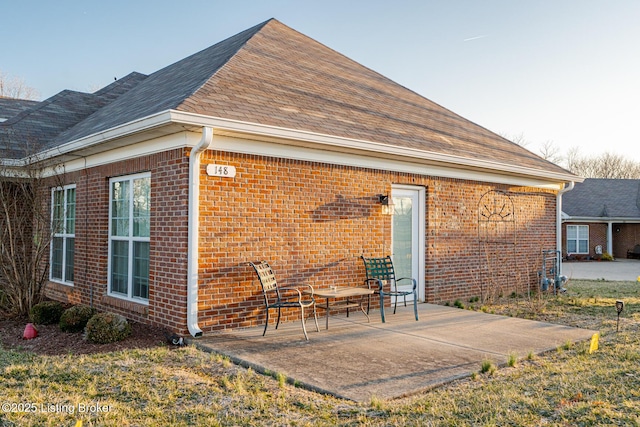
x=279, y=134
x=559, y=220
x=194, y=225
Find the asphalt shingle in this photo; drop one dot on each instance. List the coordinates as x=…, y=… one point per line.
x=603, y=198
x=273, y=75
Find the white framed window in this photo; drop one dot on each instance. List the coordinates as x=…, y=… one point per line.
x=129, y=236
x=63, y=225
x=577, y=239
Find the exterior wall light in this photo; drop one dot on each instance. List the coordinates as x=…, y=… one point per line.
x=387, y=204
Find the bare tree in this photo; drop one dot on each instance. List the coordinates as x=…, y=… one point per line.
x=607, y=165
x=15, y=87
x=551, y=152
x=26, y=229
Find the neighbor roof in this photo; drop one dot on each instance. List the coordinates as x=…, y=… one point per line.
x=9, y=107
x=273, y=75
x=603, y=198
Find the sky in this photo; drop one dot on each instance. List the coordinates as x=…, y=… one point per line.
x=565, y=72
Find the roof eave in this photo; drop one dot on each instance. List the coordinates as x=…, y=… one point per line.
x=171, y=121
x=600, y=219
x=306, y=138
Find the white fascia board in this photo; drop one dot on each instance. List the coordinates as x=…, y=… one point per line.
x=285, y=140
x=240, y=145
x=621, y=220
x=298, y=137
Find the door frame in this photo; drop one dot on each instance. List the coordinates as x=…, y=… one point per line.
x=421, y=232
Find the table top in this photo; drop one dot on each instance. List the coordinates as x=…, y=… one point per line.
x=341, y=292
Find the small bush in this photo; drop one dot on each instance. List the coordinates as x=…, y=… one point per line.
x=104, y=328
x=46, y=313
x=75, y=319
x=607, y=256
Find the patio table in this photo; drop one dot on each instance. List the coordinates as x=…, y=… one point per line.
x=335, y=292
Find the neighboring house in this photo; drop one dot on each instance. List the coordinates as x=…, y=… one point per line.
x=601, y=214
x=269, y=145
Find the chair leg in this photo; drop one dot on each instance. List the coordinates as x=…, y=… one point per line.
x=382, y=306
x=395, y=304
x=278, y=321
x=266, y=323
x=304, y=328
x=415, y=305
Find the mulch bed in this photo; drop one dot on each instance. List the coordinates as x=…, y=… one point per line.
x=52, y=341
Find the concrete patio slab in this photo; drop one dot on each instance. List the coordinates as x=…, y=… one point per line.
x=357, y=360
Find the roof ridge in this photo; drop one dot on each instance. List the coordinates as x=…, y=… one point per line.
x=252, y=31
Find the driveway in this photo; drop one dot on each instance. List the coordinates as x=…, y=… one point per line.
x=357, y=360
x=620, y=269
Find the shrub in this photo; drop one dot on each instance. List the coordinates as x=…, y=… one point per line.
x=46, y=313
x=607, y=256
x=75, y=319
x=104, y=328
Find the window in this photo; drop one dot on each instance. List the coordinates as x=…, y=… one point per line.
x=63, y=224
x=578, y=239
x=129, y=231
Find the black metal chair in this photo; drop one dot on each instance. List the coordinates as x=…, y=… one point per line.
x=283, y=297
x=379, y=272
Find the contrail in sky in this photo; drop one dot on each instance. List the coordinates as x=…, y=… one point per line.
x=475, y=38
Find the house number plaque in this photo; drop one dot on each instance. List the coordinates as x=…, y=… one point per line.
x=221, y=170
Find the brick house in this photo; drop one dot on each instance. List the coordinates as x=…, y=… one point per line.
x=269, y=145
x=601, y=215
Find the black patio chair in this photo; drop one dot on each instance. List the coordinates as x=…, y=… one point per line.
x=380, y=271
x=283, y=297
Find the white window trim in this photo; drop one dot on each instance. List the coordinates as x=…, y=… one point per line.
x=130, y=239
x=64, y=235
x=577, y=239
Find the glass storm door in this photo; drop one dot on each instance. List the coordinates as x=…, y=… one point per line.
x=408, y=235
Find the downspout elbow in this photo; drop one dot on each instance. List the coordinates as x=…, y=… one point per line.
x=193, y=233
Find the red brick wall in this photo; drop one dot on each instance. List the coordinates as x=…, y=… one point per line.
x=169, y=217
x=625, y=239
x=312, y=221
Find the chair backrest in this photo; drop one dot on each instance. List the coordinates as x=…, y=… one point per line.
x=379, y=268
x=267, y=279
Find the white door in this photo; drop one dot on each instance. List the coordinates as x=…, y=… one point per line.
x=408, y=235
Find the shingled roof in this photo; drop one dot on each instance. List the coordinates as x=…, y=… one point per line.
x=37, y=128
x=273, y=75
x=603, y=198
x=10, y=107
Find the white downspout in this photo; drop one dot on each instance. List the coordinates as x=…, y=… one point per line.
x=559, y=220
x=194, y=226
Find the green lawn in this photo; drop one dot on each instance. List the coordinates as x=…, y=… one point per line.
x=184, y=387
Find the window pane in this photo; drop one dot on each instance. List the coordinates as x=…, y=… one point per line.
x=119, y=266
x=69, y=257
x=584, y=246
x=58, y=211
x=56, y=258
x=141, y=207
x=71, y=211
x=141, y=269
x=583, y=232
x=402, y=238
x=572, y=232
x=120, y=208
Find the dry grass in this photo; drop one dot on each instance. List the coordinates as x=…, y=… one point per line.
x=187, y=387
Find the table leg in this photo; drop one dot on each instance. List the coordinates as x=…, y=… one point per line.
x=326, y=313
